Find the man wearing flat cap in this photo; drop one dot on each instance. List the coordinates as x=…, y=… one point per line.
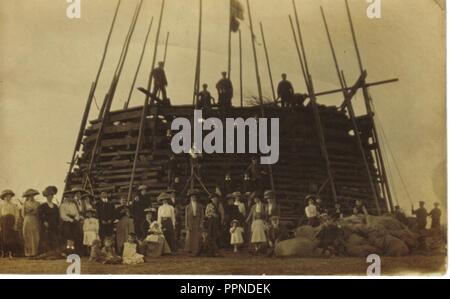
x=138, y=206
x=421, y=216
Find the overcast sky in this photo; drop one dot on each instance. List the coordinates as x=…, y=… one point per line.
x=47, y=63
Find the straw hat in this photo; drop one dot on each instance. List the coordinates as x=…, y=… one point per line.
x=75, y=190
x=236, y=194
x=150, y=210
x=163, y=196
x=142, y=187
x=310, y=196
x=50, y=190
x=193, y=192
x=6, y=192
x=269, y=194
x=30, y=192
x=235, y=221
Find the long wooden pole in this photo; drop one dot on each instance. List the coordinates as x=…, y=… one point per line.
x=91, y=96
x=351, y=113
x=229, y=41
x=370, y=113
x=199, y=55
x=302, y=65
x=258, y=83
x=269, y=69
x=241, y=92
x=145, y=107
x=165, y=47
x=144, y=47
x=315, y=109
x=110, y=96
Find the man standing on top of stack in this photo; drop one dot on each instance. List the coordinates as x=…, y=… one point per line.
x=160, y=81
x=225, y=91
x=205, y=100
x=421, y=216
x=285, y=91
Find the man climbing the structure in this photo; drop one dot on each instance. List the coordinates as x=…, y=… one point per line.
x=285, y=91
x=225, y=91
x=160, y=81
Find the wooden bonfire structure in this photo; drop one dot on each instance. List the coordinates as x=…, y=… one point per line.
x=325, y=150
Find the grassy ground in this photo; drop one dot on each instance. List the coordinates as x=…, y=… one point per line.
x=242, y=264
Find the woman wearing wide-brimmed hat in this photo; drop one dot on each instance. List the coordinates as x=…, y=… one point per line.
x=49, y=218
x=194, y=215
x=9, y=215
x=166, y=217
x=31, y=229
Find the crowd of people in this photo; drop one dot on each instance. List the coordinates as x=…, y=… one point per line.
x=145, y=227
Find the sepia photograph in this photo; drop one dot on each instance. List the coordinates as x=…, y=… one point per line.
x=223, y=138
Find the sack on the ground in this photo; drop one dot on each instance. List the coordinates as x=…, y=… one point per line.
x=297, y=247
x=408, y=237
x=395, y=247
x=355, y=240
x=387, y=222
x=361, y=250
x=307, y=232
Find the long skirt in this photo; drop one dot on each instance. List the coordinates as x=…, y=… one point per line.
x=213, y=229
x=8, y=237
x=194, y=237
x=154, y=246
x=124, y=227
x=168, y=231
x=31, y=235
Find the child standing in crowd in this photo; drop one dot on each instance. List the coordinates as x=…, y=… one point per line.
x=130, y=255
x=236, y=232
x=110, y=256
x=258, y=232
x=90, y=229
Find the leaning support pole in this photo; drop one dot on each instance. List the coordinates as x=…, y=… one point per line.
x=229, y=41
x=258, y=82
x=369, y=110
x=144, y=47
x=351, y=112
x=87, y=109
x=241, y=93
x=110, y=96
x=199, y=56
x=165, y=47
x=269, y=69
x=145, y=107
x=315, y=109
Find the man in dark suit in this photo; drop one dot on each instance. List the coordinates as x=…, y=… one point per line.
x=106, y=214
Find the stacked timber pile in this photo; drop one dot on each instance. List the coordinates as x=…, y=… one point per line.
x=301, y=169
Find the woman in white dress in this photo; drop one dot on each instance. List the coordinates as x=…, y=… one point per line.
x=236, y=232
x=258, y=232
